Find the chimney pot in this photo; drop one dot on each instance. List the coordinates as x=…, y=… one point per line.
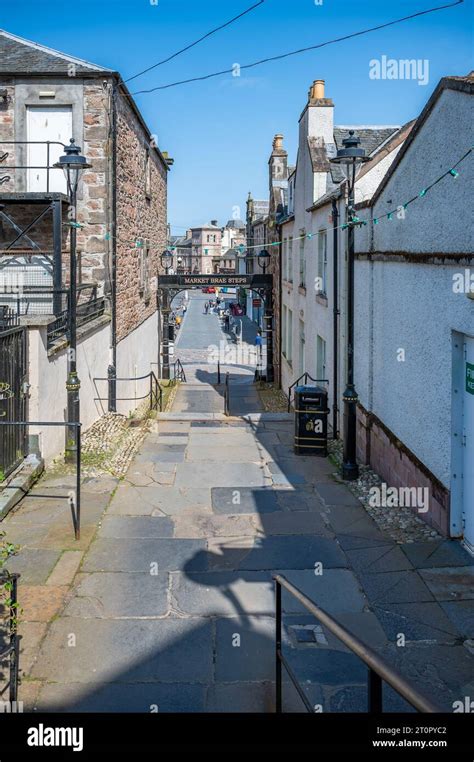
x=316, y=90
x=278, y=142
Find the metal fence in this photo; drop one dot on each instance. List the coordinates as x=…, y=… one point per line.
x=13, y=394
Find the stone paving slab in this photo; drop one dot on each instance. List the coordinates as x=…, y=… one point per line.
x=137, y=555
x=66, y=568
x=381, y=558
x=416, y=621
x=238, y=499
x=31, y=635
x=107, y=595
x=134, y=651
x=223, y=593
x=232, y=454
x=424, y=555
x=336, y=494
x=449, y=584
x=34, y=564
x=461, y=614
x=245, y=649
x=202, y=526
x=122, y=697
x=40, y=603
x=395, y=587
x=291, y=551
x=221, y=475
x=336, y=591
x=292, y=523
x=241, y=697
x=136, y=527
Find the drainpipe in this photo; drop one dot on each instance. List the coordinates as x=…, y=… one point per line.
x=112, y=369
x=280, y=296
x=335, y=318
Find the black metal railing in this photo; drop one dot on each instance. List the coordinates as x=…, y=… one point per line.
x=154, y=392
x=306, y=377
x=48, y=167
x=8, y=318
x=379, y=670
x=86, y=312
x=73, y=497
x=227, y=395
x=178, y=373
x=9, y=582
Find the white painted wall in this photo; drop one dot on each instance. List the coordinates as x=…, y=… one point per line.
x=137, y=354
x=411, y=306
x=47, y=378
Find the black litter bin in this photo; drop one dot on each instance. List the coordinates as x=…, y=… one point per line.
x=171, y=331
x=311, y=420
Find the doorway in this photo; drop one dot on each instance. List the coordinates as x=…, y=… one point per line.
x=45, y=123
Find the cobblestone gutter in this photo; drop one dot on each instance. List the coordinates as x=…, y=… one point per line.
x=400, y=523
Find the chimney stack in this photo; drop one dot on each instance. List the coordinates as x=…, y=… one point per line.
x=316, y=91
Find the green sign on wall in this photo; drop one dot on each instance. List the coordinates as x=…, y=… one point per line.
x=469, y=377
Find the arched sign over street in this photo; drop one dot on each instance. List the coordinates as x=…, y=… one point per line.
x=169, y=285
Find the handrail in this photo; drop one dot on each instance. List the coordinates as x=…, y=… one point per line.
x=226, y=395
x=48, y=167
x=306, y=376
x=179, y=374
x=379, y=669
x=155, y=393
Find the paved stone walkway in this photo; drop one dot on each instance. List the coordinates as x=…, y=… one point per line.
x=173, y=604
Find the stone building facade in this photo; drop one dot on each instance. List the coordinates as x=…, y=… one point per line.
x=121, y=208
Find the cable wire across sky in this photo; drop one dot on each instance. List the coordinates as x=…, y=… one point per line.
x=196, y=42
x=294, y=52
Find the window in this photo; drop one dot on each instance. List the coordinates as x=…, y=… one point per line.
x=321, y=284
x=208, y=239
x=147, y=175
x=144, y=273
x=290, y=260
x=301, y=357
x=284, y=257
x=289, y=350
x=320, y=358
x=284, y=327
x=302, y=260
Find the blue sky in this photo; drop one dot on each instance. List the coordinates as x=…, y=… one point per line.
x=220, y=131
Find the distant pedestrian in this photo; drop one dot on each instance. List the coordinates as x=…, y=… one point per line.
x=206, y=307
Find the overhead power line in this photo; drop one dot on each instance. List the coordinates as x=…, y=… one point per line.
x=300, y=50
x=196, y=42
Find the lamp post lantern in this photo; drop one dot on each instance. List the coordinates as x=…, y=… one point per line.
x=350, y=156
x=166, y=259
x=263, y=260
x=73, y=164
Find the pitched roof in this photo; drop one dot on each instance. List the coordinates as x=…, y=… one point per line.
x=20, y=56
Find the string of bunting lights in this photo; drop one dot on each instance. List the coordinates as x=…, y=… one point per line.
x=354, y=220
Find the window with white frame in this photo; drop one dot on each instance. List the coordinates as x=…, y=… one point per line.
x=320, y=357
x=289, y=337
x=284, y=329
x=302, y=260
x=290, y=260
x=321, y=285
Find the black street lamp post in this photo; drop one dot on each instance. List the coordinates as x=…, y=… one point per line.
x=166, y=262
x=73, y=164
x=350, y=156
x=263, y=261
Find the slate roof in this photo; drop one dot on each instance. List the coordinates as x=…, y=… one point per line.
x=371, y=138
x=235, y=224
x=20, y=56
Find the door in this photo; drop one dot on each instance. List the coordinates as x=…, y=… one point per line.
x=43, y=123
x=468, y=442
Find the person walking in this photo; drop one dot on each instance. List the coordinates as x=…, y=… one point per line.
x=206, y=307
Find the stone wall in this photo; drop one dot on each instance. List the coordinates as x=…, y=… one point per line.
x=378, y=447
x=141, y=215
